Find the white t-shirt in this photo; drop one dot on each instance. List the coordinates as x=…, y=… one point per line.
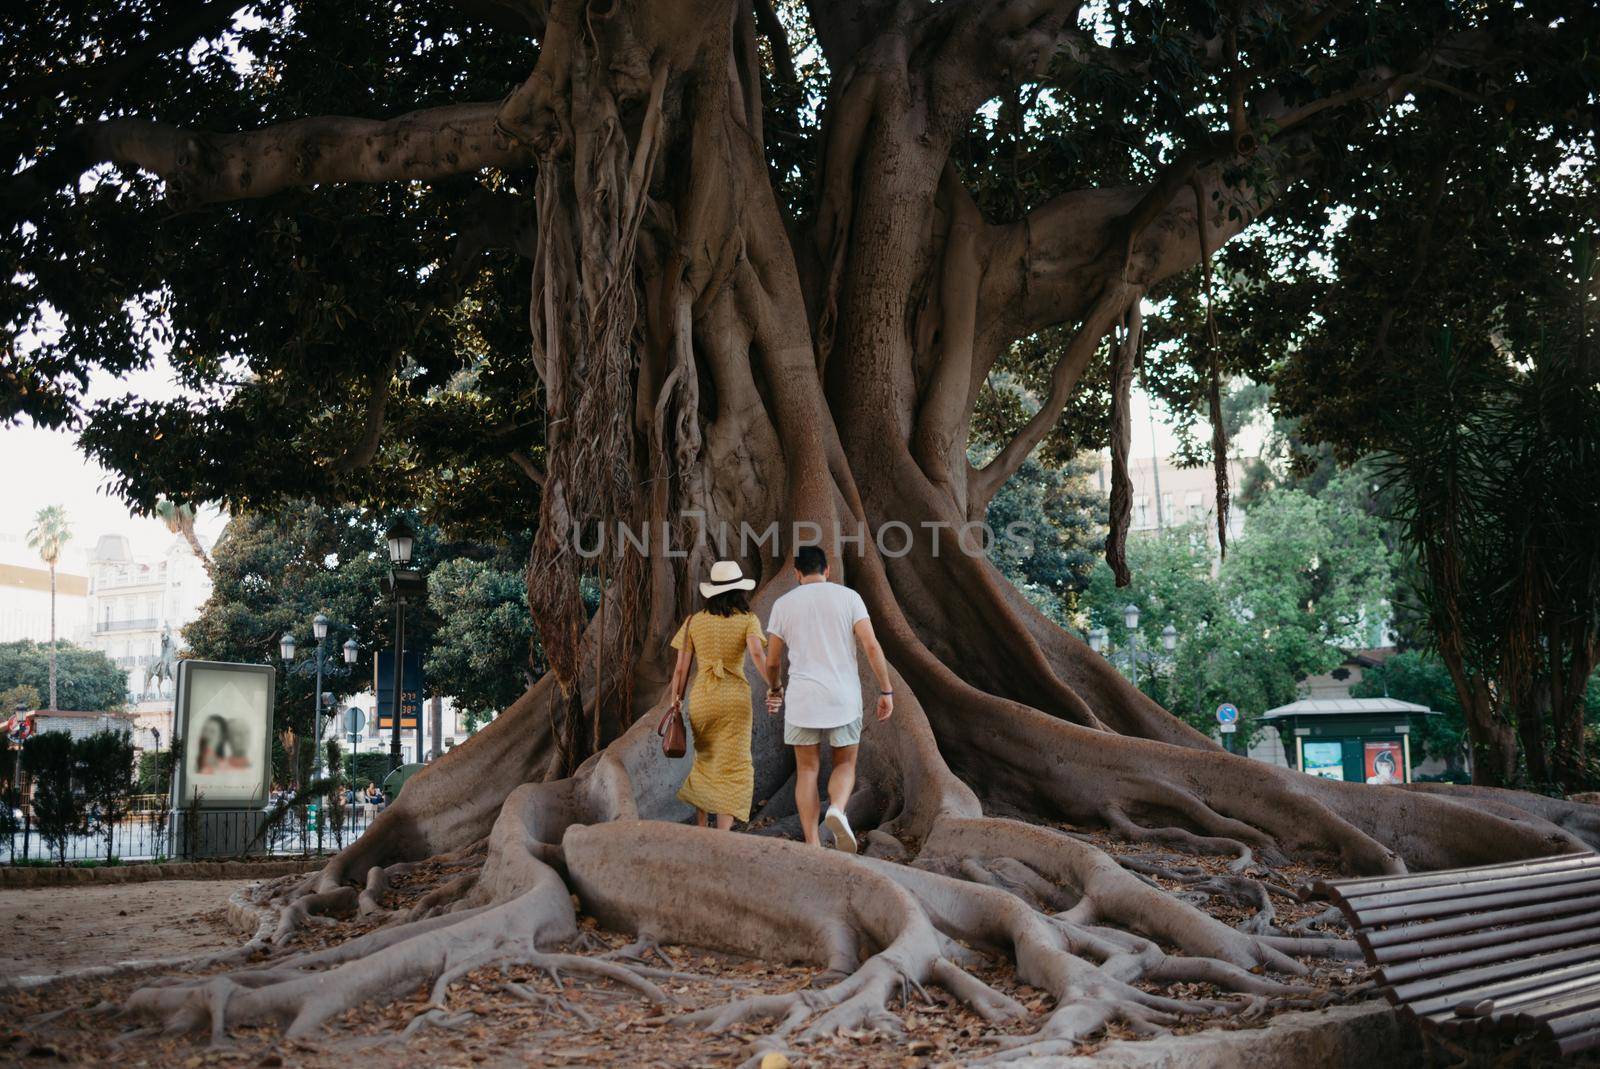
x=816, y=622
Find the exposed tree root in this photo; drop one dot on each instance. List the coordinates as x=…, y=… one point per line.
x=891, y=930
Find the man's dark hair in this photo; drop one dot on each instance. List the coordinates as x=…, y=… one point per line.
x=810, y=560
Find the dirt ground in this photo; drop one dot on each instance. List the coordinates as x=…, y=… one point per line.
x=47, y=931
x=494, y=1017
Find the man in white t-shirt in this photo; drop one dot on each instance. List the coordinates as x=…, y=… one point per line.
x=820, y=623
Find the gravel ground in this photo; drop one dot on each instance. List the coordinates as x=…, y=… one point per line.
x=51, y=930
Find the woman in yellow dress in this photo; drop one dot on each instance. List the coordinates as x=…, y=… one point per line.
x=716, y=638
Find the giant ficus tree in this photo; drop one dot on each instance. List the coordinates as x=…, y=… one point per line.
x=703, y=262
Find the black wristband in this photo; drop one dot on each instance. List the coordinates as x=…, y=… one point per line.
x=885, y=693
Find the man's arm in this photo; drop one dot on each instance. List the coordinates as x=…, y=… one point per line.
x=880, y=667
x=774, y=666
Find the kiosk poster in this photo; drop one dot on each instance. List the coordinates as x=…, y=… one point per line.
x=1324, y=759
x=1385, y=762
x=224, y=716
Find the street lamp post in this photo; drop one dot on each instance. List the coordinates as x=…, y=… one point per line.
x=1099, y=639
x=402, y=581
x=286, y=649
x=1130, y=620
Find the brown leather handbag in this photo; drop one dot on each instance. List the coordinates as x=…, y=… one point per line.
x=674, y=736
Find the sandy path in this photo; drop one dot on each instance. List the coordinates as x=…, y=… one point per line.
x=51, y=929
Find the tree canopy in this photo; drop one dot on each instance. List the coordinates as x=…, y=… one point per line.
x=1307, y=582
x=86, y=680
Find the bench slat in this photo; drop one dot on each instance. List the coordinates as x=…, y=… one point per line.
x=1407, y=935
x=1589, y=935
x=1474, y=903
x=1433, y=896
x=1371, y=884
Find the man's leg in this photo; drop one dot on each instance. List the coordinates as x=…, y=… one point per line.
x=842, y=780
x=807, y=761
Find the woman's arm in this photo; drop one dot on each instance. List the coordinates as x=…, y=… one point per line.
x=680, y=674
x=758, y=654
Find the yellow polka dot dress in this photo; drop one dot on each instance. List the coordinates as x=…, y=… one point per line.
x=722, y=779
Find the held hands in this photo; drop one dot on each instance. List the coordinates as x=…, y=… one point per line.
x=885, y=706
x=774, y=700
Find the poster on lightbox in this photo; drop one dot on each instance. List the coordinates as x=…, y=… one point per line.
x=1385, y=762
x=224, y=717
x=1324, y=759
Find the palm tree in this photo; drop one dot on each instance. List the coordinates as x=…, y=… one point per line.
x=50, y=533
x=180, y=520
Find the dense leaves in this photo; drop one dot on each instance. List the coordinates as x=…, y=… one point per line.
x=86, y=680
x=1306, y=581
x=480, y=654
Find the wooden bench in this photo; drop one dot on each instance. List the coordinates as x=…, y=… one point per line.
x=1511, y=948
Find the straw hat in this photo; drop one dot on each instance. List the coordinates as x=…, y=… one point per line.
x=725, y=575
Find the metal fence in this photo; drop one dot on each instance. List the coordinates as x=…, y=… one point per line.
x=157, y=835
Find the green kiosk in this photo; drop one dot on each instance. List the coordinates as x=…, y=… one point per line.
x=1360, y=740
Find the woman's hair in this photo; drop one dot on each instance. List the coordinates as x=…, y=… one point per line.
x=222, y=743
x=728, y=603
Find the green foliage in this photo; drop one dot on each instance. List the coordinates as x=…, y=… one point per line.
x=273, y=574
x=365, y=768
x=86, y=680
x=279, y=315
x=1417, y=676
x=1305, y=581
x=105, y=778
x=1063, y=519
x=19, y=696
x=50, y=760
x=154, y=774
x=483, y=654
x=50, y=532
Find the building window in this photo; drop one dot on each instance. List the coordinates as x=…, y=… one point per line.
x=1141, y=511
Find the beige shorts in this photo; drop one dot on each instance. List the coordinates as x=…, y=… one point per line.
x=845, y=735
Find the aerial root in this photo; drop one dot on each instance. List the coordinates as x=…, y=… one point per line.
x=436, y=1018
x=379, y=880
x=859, y=1001
x=1127, y=827
x=553, y=965
x=643, y=945
x=539, y=998
x=317, y=907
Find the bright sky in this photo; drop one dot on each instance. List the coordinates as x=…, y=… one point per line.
x=45, y=468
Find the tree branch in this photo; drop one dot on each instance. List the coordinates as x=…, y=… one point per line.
x=529, y=468
x=771, y=28
x=1108, y=308
x=202, y=167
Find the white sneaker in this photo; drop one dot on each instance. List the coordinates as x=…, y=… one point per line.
x=836, y=822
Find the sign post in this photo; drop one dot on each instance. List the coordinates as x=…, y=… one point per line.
x=1228, y=723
